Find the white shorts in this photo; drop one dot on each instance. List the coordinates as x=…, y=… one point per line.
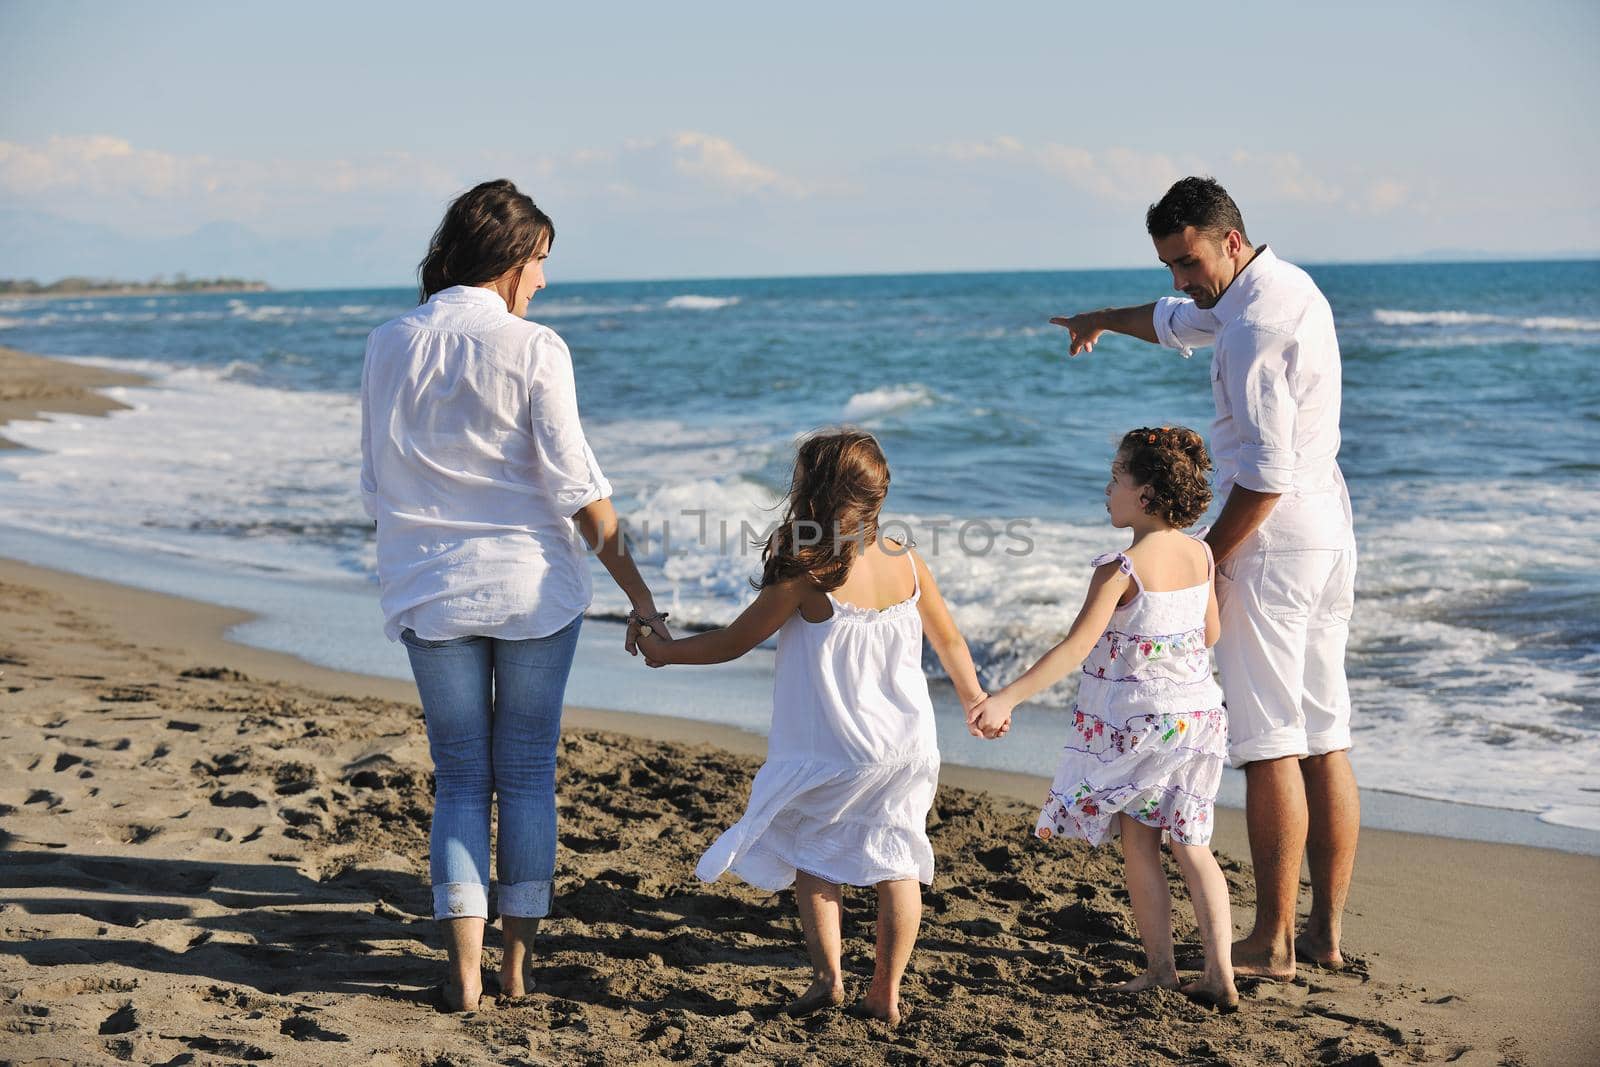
x=1285, y=621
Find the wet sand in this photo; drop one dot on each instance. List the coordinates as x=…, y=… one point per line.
x=30, y=385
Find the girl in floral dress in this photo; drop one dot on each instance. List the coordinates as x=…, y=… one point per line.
x=1149, y=734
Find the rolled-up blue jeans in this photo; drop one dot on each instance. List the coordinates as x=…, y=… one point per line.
x=493, y=710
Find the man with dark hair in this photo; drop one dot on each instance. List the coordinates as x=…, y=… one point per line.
x=1285, y=551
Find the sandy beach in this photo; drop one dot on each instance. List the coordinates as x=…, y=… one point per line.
x=213, y=853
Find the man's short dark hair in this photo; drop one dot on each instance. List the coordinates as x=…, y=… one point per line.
x=1197, y=202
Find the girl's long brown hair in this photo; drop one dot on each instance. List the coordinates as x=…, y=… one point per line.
x=839, y=484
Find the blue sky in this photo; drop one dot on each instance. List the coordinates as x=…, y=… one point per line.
x=316, y=144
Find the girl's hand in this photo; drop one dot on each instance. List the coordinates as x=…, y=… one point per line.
x=991, y=719
x=630, y=633
x=654, y=644
x=970, y=708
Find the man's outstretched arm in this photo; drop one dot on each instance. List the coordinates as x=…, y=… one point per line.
x=1086, y=327
x=1171, y=322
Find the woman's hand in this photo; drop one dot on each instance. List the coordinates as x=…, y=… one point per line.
x=991, y=718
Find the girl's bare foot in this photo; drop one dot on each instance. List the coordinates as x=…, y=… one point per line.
x=455, y=998
x=823, y=993
x=882, y=1006
x=1213, y=993
x=1147, y=980
x=1257, y=960
x=1320, y=951
x=515, y=986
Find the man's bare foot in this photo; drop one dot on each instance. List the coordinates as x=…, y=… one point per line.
x=1323, y=952
x=1147, y=980
x=822, y=994
x=1213, y=993
x=1257, y=961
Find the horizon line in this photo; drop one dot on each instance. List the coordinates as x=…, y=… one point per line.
x=1421, y=260
x=1587, y=256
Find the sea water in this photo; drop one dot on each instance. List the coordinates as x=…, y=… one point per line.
x=1471, y=444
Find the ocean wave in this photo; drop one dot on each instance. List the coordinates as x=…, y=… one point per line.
x=1450, y=694
x=6, y=324
x=1391, y=317
x=692, y=302
x=889, y=398
x=547, y=309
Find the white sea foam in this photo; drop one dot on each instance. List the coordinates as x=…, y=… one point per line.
x=209, y=464
x=198, y=453
x=875, y=402
x=6, y=324
x=1389, y=317
x=693, y=302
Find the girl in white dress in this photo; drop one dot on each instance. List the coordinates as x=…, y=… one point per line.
x=852, y=759
x=1149, y=733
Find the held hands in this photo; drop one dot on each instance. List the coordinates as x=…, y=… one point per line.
x=645, y=632
x=990, y=717
x=654, y=645
x=1082, y=329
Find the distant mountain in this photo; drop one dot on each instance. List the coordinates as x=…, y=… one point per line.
x=33, y=245
x=1479, y=255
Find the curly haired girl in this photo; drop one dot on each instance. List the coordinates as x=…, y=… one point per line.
x=1144, y=756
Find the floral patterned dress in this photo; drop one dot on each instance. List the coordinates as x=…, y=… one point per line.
x=1149, y=733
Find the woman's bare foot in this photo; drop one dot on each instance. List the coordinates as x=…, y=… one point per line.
x=1255, y=960
x=882, y=1006
x=1323, y=952
x=1213, y=993
x=823, y=993
x=1147, y=980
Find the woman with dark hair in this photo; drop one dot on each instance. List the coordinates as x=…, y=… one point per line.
x=485, y=492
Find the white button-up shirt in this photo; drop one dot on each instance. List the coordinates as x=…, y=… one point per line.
x=1275, y=379
x=473, y=463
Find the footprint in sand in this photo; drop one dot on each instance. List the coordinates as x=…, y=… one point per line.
x=305, y=1028
x=125, y=1020
x=235, y=798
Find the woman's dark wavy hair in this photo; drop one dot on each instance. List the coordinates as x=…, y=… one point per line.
x=839, y=484
x=487, y=230
x=1172, y=462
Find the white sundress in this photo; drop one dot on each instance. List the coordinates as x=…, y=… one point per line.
x=852, y=756
x=1149, y=733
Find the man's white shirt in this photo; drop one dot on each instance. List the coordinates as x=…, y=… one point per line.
x=1275, y=379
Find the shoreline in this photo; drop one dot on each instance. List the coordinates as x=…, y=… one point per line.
x=1499, y=932
x=135, y=290
x=32, y=385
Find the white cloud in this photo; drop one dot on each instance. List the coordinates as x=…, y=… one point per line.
x=108, y=180
x=1286, y=177
x=1386, y=194
x=1121, y=175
